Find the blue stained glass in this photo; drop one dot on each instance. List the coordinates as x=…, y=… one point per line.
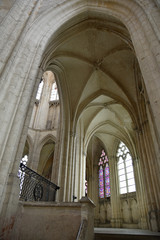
x=104, y=179
x=101, y=183
x=107, y=181
x=107, y=171
x=108, y=191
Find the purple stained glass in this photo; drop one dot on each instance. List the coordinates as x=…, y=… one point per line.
x=101, y=183
x=107, y=181
x=108, y=191
x=106, y=159
x=86, y=187
x=106, y=171
x=104, y=180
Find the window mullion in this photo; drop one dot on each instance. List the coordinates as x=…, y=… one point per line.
x=125, y=170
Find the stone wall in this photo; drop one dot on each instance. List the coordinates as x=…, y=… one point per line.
x=129, y=210
x=56, y=221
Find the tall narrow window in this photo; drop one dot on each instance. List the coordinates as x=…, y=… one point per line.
x=54, y=93
x=21, y=174
x=104, y=178
x=86, y=187
x=125, y=170
x=39, y=91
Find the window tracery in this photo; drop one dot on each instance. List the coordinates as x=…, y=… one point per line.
x=125, y=170
x=104, y=176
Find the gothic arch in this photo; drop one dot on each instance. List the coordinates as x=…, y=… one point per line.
x=40, y=38
x=83, y=106
x=46, y=139
x=46, y=156
x=27, y=59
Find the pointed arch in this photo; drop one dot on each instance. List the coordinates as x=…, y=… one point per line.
x=125, y=170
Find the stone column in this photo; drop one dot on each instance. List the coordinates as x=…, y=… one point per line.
x=42, y=111
x=116, y=220
x=77, y=168
x=80, y=170
x=70, y=173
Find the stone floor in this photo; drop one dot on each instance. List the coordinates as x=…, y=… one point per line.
x=117, y=233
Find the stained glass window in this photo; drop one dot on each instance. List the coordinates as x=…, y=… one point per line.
x=86, y=187
x=125, y=170
x=107, y=181
x=104, y=178
x=101, y=183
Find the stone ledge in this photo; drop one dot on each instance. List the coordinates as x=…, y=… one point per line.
x=87, y=200
x=124, y=231
x=50, y=204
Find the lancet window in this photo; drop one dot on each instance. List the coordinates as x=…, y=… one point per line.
x=125, y=170
x=104, y=176
x=54, y=93
x=39, y=91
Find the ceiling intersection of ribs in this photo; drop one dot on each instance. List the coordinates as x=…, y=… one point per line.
x=98, y=59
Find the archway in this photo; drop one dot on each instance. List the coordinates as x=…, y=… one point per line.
x=46, y=159
x=51, y=37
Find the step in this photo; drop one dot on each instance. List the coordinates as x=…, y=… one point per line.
x=120, y=233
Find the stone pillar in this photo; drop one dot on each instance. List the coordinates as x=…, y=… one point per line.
x=42, y=111
x=70, y=173
x=116, y=220
x=80, y=163
x=149, y=192
x=140, y=194
x=77, y=168
x=87, y=217
x=34, y=153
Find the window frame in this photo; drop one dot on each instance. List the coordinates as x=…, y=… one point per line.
x=39, y=90
x=128, y=168
x=102, y=180
x=54, y=96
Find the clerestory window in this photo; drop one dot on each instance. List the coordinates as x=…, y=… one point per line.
x=39, y=91
x=125, y=170
x=54, y=93
x=104, y=178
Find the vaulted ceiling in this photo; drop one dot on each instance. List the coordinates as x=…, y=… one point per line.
x=98, y=59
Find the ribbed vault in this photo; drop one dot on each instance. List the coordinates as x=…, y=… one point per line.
x=98, y=60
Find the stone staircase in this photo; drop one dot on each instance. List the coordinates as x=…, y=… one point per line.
x=125, y=234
